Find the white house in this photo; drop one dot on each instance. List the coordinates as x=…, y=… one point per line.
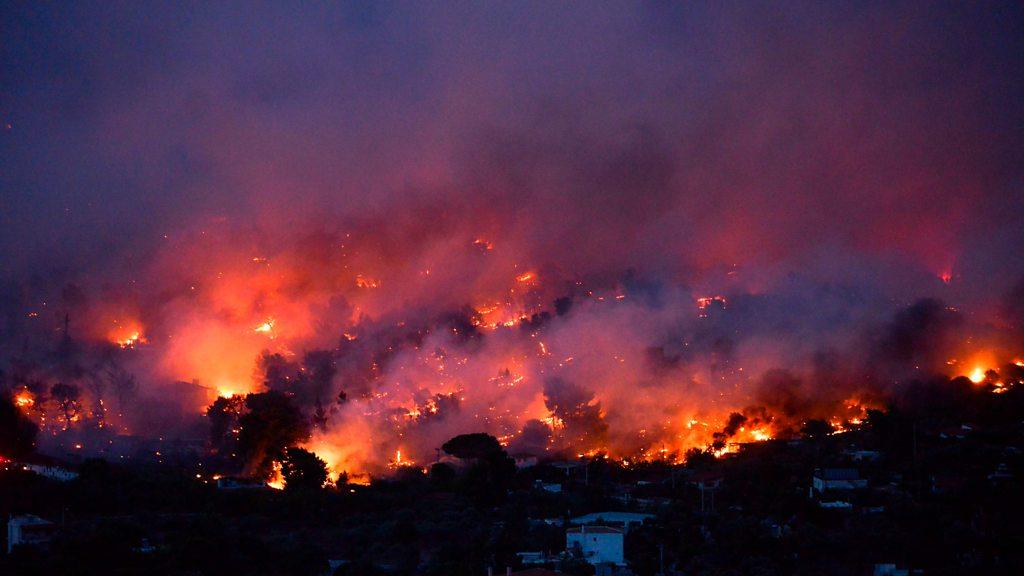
x=624, y=519
x=837, y=479
x=52, y=472
x=596, y=544
x=28, y=530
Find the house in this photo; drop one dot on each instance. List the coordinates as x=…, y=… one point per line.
x=28, y=530
x=50, y=471
x=552, y=487
x=892, y=570
x=864, y=455
x=826, y=479
x=532, y=558
x=525, y=461
x=596, y=544
x=622, y=519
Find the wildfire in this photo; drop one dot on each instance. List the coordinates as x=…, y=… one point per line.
x=129, y=340
x=277, y=480
x=401, y=461
x=266, y=328
x=705, y=302
x=24, y=399
x=977, y=375
x=365, y=282
x=526, y=277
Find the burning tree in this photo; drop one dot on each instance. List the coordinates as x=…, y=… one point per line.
x=68, y=399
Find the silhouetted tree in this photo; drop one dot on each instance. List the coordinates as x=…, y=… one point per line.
x=17, y=432
x=816, y=428
x=302, y=469
x=490, y=470
x=67, y=397
x=271, y=422
x=223, y=416
x=478, y=445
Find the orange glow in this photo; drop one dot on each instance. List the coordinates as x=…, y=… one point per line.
x=266, y=328
x=704, y=302
x=127, y=335
x=277, y=480
x=24, y=399
x=526, y=277
x=364, y=282
x=977, y=375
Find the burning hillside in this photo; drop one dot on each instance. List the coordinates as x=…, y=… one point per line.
x=676, y=241
x=383, y=372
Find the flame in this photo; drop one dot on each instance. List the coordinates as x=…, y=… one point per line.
x=24, y=399
x=277, y=480
x=128, y=335
x=977, y=375
x=365, y=282
x=704, y=302
x=526, y=277
x=266, y=328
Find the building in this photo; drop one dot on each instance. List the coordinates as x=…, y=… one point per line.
x=28, y=530
x=532, y=558
x=625, y=520
x=597, y=544
x=826, y=479
x=52, y=472
x=552, y=487
x=892, y=570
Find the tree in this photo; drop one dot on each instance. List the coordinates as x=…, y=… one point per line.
x=816, y=428
x=223, y=415
x=68, y=401
x=124, y=384
x=491, y=470
x=270, y=424
x=302, y=469
x=17, y=432
x=477, y=445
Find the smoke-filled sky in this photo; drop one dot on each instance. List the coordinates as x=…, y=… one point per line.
x=196, y=169
x=673, y=133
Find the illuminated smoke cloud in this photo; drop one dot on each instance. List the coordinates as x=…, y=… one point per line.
x=577, y=229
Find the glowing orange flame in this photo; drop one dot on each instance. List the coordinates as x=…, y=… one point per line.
x=24, y=399
x=266, y=328
x=128, y=336
x=977, y=375
x=277, y=480
x=364, y=282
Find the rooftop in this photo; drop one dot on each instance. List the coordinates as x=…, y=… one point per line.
x=594, y=530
